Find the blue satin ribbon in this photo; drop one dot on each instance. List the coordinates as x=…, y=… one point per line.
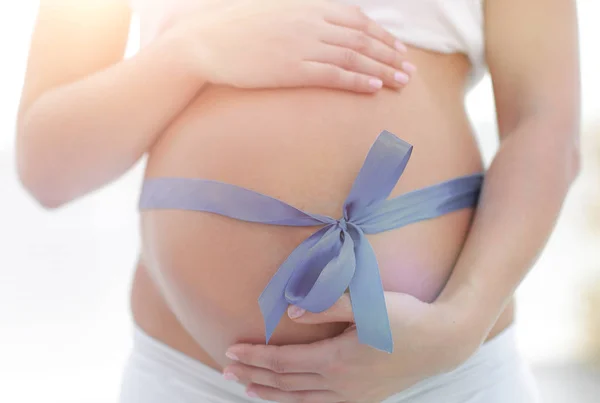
x=338, y=256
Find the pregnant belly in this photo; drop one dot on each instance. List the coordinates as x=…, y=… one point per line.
x=304, y=147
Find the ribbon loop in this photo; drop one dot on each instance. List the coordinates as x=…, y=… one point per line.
x=385, y=163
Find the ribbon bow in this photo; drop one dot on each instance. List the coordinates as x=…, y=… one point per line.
x=338, y=257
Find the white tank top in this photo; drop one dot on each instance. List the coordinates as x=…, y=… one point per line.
x=445, y=26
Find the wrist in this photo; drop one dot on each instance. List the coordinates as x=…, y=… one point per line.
x=468, y=315
x=175, y=47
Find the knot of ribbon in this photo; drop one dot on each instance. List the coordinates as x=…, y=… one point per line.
x=343, y=224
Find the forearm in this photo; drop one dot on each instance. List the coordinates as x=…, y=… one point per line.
x=77, y=137
x=521, y=199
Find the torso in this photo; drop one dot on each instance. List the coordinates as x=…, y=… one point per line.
x=200, y=275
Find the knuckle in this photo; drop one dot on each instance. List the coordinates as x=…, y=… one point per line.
x=361, y=42
x=388, y=57
x=388, y=74
x=280, y=382
x=349, y=59
x=276, y=364
x=335, y=76
x=358, y=83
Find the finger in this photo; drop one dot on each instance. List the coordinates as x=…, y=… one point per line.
x=301, y=358
x=341, y=311
x=351, y=60
x=267, y=393
x=328, y=75
x=364, y=44
x=284, y=382
x=353, y=17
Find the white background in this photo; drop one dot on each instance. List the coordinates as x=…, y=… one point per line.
x=65, y=275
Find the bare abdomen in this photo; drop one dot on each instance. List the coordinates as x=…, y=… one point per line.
x=304, y=147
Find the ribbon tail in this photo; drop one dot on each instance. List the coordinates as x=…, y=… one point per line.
x=272, y=301
x=367, y=296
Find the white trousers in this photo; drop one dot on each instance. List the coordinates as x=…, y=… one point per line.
x=496, y=373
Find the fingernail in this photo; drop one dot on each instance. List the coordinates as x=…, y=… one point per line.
x=401, y=77
x=230, y=377
x=409, y=67
x=252, y=394
x=400, y=47
x=375, y=83
x=231, y=356
x=295, y=311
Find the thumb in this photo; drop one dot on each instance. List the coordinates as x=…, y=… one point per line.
x=341, y=311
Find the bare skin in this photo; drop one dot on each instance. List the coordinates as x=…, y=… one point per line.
x=534, y=65
x=194, y=262
x=199, y=276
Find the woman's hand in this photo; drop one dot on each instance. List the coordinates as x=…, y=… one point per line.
x=428, y=339
x=295, y=43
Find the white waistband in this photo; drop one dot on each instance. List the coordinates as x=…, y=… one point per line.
x=496, y=367
x=182, y=371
